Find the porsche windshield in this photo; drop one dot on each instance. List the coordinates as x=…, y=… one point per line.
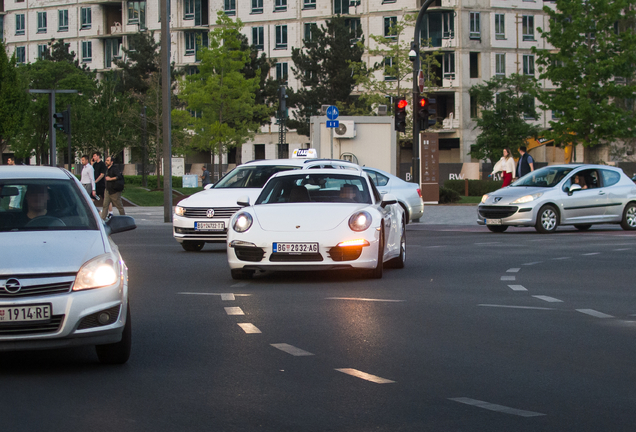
x=544, y=177
x=250, y=176
x=326, y=188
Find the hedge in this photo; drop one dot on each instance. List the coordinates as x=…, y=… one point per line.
x=448, y=196
x=135, y=180
x=475, y=187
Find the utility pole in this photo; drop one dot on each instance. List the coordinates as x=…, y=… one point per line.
x=68, y=135
x=282, y=119
x=167, y=126
x=144, y=150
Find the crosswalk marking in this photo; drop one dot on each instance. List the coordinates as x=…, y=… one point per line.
x=495, y=407
x=594, y=313
x=365, y=376
x=249, y=328
x=290, y=349
x=513, y=270
x=508, y=278
x=234, y=311
x=548, y=299
x=517, y=288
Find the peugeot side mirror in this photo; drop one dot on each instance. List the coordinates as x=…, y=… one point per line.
x=573, y=188
x=243, y=201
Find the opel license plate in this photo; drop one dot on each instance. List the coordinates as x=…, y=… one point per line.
x=209, y=226
x=295, y=247
x=493, y=221
x=39, y=312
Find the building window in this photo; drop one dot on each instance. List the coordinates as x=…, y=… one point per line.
x=281, y=37
x=475, y=26
x=309, y=4
x=390, y=71
x=355, y=25
x=283, y=151
x=188, y=9
x=20, y=54
x=500, y=26
x=43, y=52
x=190, y=43
x=529, y=108
x=19, y=24
x=259, y=151
x=137, y=13
x=474, y=64
x=112, y=50
x=307, y=35
x=449, y=65
x=281, y=72
x=258, y=37
x=390, y=30
x=87, y=51
x=474, y=109
x=436, y=27
x=62, y=20
x=528, y=64
x=41, y=22
x=230, y=7
x=527, y=27
x=500, y=65
x=257, y=6
x=341, y=7
x=86, y=18
x=280, y=5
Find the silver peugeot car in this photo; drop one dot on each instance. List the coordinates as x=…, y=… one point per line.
x=63, y=281
x=579, y=195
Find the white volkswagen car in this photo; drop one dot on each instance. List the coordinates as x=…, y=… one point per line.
x=63, y=281
x=320, y=219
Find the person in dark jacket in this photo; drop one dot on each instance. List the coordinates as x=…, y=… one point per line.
x=99, y=169
x=526, y=163
x=112, y=195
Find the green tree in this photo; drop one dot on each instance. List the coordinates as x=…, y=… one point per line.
x=220, y=102
x=325, y=67
x=258, y=66
x=13, y=99
x=592, y=69
x=504, y=103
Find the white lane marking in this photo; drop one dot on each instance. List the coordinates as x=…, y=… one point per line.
x=363, y=299
x=561, y=258
x=365, y=376
x=504, y=278
x=513, y=270
x=495, y=407
x=249, y=328
x=517, y=287
x=516, y=307
x=533, y=263
x=623, y=249
x=240, y=284
x=234, y=311
x=214, y=294
x=594, y=313
x=290, y=349
x=489, y=243
x=435, y=246
x=548, y=299
x=591, y=253
x=227, y=296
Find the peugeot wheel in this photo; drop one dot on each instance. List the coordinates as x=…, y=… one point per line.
x=629, y=217
x=547, y=219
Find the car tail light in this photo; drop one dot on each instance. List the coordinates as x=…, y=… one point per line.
x=419, y=192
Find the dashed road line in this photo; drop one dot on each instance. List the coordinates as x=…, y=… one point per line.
x=234, y=311
x=508, y=278
x=548, y=299
x=591, y=253
x=227, y=295
x=240, y=284
x=561, y=258
x=517, y=287
x=290, y=349
x=495, y=407
x=532, y=263
x=622, y=249
x=249, y=328
x=513, y=270
x=364, y=299
x=515, y=307
x=594, y=313
x=365, y=376
x=488, y=243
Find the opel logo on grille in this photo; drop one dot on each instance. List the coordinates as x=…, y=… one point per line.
x=497, y=199
x=210, y=213
x=12, y=286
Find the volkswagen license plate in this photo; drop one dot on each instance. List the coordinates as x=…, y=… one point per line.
x=296, y=247
x=209, y=226
x=40, y=312
x=493, y=221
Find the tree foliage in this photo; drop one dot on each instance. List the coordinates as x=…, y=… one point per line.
x=13, y=99
x=592, y=69
x=504, y=103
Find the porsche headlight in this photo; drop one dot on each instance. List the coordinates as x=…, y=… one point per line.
x=484, y=198
x=527, y=198
x=102, y=271
x=360, y=221
x=179, y=211
x=242, y=222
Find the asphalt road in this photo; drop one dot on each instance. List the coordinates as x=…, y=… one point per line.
x=480, y=332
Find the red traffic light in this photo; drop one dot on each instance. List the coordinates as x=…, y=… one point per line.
x=402, y=104
x=423, y=102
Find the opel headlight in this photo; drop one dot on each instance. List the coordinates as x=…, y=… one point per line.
x=360, y=221
x=102, y=271
x=484, y=198
x=242, y=222
x=179, y=211
x=527, y=198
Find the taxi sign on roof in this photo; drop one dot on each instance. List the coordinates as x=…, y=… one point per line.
x=304, y=154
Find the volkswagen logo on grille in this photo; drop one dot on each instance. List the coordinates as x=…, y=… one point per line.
x=210, y=213
x=12, y=286
x=497, y=199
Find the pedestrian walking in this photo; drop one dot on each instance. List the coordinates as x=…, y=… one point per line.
x=205, y=177
x=526, y=163
x=505, y=165
x=100, y=173
x=88, y=177
x=112, y=193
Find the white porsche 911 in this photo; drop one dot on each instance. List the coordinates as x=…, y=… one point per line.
x=320, y=220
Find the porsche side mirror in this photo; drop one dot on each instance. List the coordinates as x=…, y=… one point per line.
x=388, y=199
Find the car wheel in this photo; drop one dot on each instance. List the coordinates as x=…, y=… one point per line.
x=376, y=273
x=497, y=228
x=583, y=227
x=629, y=217
x=118, y=352
x=240, y=274
x=401, y=259
x=192, y=246
x=547, y=219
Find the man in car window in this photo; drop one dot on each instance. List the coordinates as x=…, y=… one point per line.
x=111, y=195
x=348, y=192
x=35, y=205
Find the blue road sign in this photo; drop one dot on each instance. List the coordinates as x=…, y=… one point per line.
x=333, y=123
x=332, y=113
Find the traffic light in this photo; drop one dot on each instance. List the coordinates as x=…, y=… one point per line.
x=62, y=121
x=424, y=111
x=400, y=114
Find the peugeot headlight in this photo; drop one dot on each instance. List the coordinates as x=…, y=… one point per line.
x=484, y=198
x=179, y=211
x=242, y=222
x=102, y=271
x=527, y=198
x=360, y=221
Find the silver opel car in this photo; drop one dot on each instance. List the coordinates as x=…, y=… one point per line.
x=63, y=281
x=579, y=195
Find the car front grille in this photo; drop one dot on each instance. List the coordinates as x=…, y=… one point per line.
x=287, y=257
x=39, y=285
x=202, y=213
x=349, y=253
x=252, y=254
x=29, y=328
x=497, y=212
x=210, y=234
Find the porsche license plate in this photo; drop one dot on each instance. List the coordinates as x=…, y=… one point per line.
x=493, y=221
x=296, y=247
x=38, y=312
x=209, y=226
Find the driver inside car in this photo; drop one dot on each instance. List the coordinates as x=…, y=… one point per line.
x=36, y=201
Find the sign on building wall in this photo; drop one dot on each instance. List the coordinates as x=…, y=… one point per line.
x=429, y=169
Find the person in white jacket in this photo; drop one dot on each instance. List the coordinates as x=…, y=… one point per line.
x=506, y=165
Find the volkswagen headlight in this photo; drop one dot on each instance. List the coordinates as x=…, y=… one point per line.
x=484, y=198
x=242, y=222
x=527, y=198
x=360, y=221
x=102, y=271
x=179, y=211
